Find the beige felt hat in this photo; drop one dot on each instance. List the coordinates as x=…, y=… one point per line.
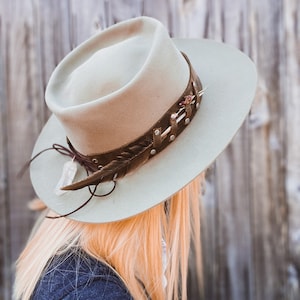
x=136, y=117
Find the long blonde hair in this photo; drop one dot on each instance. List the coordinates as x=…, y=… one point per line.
x=136, y=241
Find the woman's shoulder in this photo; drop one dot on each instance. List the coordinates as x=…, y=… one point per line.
x=76, y=275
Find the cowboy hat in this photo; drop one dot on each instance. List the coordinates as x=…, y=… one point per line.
x=136, y=117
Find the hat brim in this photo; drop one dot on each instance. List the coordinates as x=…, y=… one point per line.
x=230, y=79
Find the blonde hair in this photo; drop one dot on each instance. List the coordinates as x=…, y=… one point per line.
x=136, y=241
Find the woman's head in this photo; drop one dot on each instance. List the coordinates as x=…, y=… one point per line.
x=133, y=247
x=136, y=118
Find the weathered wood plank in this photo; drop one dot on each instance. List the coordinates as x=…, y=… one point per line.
x=267, y=178
x=233, y=244
x=5, y=258
x=290, y=95
x=250, y=213
x=20, y=115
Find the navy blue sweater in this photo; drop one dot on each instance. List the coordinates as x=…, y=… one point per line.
x=79, y=276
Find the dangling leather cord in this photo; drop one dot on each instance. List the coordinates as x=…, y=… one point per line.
x=86, y=202
x=73, y=154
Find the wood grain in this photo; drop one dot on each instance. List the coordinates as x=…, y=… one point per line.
x=250, y=213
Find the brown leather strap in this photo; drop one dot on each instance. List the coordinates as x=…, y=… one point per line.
x=117, y=163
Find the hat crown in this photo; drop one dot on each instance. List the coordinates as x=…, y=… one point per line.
x=110, y=90
x=120, y=71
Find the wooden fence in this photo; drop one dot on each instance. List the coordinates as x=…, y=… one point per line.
x=251, y=210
